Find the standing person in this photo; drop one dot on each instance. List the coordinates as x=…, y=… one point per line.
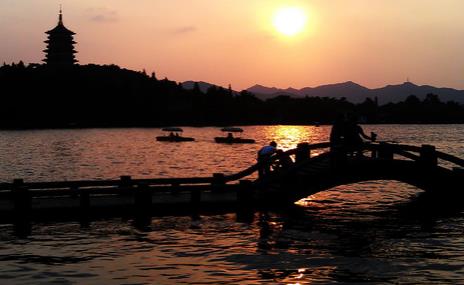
x=354, y=134
x=337, y=141
x=263, y=154
x=337, y=132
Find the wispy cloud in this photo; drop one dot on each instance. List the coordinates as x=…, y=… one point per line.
x=184, y=30
x=102, y=15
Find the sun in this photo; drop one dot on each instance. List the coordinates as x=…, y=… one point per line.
x=290, y=21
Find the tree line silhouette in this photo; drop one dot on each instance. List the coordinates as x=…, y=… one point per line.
x=40, y=96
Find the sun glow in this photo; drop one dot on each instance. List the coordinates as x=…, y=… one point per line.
x=290, y=21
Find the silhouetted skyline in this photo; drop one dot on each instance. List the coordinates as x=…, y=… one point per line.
x=108, y=96
x=371, y=43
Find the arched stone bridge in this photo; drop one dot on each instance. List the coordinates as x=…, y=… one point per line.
x=420, y=166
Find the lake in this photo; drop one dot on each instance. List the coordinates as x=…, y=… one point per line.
x=370, y=232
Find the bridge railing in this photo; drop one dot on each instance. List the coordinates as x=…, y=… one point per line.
x=426, y=154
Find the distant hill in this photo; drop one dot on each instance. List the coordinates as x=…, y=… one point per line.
x=356, y=93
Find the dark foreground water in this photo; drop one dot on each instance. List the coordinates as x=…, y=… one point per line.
x=373, y=232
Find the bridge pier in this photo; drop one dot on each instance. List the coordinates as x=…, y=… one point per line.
x=218, y=182
x=245, y=193
x=22, y=199
x=303, y=152
x=246, y=201
x=126, y=182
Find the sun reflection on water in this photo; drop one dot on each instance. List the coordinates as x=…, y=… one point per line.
x=289, y=136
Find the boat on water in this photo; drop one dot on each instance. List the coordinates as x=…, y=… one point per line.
x=230, y=139
x=173, y=134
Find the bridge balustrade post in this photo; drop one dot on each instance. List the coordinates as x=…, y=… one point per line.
x=126, y=182
x=22, y=199
x=175, y=188
x=385, y=151
x=218, y=182
x=428, y=156
x=303, y=152
x=74, y=191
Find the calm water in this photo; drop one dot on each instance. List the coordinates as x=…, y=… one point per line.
x=375, y=232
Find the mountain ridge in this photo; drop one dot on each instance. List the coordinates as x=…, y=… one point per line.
x=357, y=93
x=353, y=92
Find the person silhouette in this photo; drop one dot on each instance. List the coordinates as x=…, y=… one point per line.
x=263, y=155
x=353, y=135
x=284, y=161
x=337, y=141
x=337, y=132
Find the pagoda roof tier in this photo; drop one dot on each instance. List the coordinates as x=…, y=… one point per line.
x=48, y=41
x=47, y=50
x=60, y=29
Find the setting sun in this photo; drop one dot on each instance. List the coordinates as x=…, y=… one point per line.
x=290, y=21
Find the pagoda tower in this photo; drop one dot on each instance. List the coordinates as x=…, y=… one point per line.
x=60, y=45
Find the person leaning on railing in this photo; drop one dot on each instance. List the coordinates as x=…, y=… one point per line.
x=263, y=156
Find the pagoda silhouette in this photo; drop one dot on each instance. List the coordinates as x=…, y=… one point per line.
x=60, y=45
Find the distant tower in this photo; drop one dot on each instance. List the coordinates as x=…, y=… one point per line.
x=60, y=45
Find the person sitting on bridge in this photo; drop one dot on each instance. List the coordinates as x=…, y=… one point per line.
x=263, y=155
x=353, y=135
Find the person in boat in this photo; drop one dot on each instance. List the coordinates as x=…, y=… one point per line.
x=353, y=136
x=171, y=134
x=230, y=137
x=264, y=154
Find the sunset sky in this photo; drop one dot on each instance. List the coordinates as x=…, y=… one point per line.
x=371, y=42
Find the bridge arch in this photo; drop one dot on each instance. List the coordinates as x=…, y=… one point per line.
x=417, y=166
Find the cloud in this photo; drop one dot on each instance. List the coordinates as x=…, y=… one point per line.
x=101, y=15
x=184, y=30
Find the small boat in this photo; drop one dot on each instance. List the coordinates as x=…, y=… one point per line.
x=173, y=136
x=230, y=138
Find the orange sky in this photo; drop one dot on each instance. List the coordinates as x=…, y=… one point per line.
x=371, y=42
